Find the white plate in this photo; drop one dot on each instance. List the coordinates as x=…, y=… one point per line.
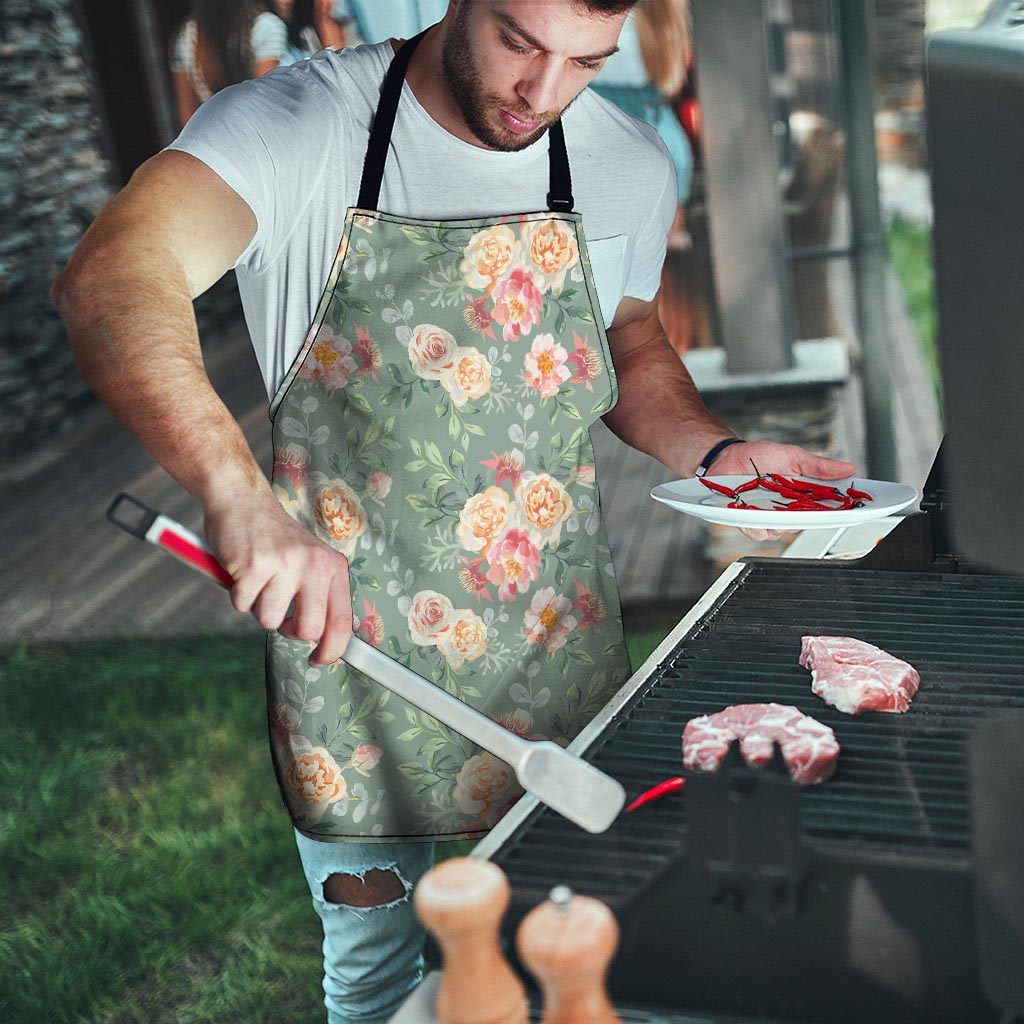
x=693, y=498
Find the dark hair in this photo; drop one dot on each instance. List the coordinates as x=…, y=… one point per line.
x=609, y=6
x=301, y=18
x=224, y=27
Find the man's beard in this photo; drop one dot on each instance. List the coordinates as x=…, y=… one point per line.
x=465, y=85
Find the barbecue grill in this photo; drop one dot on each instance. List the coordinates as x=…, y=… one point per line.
x=744, y=895
x=893, y=892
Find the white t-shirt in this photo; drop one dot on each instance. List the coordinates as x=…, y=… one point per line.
x=292, y=143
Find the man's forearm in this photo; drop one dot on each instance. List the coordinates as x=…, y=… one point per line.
x=660, y=411
x=133, y=333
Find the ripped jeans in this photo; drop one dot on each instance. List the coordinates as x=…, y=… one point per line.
x=372, y=950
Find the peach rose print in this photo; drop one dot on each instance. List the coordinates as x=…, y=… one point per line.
x=514, y=563
x=432, y=351
x=551, y=246
x=485, y=787
x=488, y=256
x=340, y=516
x=544, y=505
x=468, y=377
x=482, y=518
x=430, y=617
x=291, y=461
x=315, y=778
x=545, y=365
x=518, y=304
x=466, y=640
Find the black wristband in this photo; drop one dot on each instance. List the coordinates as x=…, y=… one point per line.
x=705, y=463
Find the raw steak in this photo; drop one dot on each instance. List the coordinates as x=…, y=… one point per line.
x=809, y=748
x=855, y=677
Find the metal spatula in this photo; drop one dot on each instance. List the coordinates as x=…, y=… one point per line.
x=575, y=789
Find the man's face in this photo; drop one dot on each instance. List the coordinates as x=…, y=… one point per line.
x=513, y=66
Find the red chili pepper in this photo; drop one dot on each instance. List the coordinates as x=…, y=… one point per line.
x=806, y=505
x=808, y=487
x=720, y=488
x=749, y=485
x=863, y=495
x=656, y=793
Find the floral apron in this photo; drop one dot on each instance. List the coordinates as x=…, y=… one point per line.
x=435, y=429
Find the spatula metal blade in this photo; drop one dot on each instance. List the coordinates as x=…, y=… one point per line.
x=577, y=790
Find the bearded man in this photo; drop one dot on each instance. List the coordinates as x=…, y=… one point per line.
x=449, y=253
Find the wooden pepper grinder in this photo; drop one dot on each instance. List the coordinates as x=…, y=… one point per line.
x=567, y=943
x=462, y=901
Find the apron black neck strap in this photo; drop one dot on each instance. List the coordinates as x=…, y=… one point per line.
x=559, y=197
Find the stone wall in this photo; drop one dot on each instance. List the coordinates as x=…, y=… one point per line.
x=54, y=178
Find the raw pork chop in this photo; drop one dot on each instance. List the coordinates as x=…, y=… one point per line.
x=809, y=748
x=855, y=677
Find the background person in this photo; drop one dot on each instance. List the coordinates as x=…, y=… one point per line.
x=224, y=42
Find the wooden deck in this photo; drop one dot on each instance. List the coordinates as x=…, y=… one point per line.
x=73, y=575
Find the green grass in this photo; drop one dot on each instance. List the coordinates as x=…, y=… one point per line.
x=147, y=867
x=910, y=246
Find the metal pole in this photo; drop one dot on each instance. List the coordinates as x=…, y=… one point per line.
x=867, y=235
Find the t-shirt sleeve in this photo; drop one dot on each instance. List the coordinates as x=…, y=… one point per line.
x=268, y=139
x=269, y=38
x=649, y=250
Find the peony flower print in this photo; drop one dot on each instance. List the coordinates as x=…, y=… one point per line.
x=468, y=377
x=514, y=563
x=518, y=304
x=488, y=256
x=545, y=366
x=548, y=621
x=330, y=362
x=543, y=505
x=482, y=518
x=466, y=640
x=552, y=251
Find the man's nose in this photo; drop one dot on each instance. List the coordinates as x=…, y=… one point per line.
x=539, y=90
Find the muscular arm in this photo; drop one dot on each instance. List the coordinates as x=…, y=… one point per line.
x=661, y=413
x=126, y=300
x=659, y=410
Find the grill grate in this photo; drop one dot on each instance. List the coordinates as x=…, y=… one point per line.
x=902, y=779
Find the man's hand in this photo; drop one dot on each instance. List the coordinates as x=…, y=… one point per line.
x=275, y=561
x=771, y=457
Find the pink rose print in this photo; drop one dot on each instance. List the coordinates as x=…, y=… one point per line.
x=545, y=365
x=547, y=620
x=283, y=722
x=377, y=486
x=514, y=563
x=518, y=304
x=365, y=758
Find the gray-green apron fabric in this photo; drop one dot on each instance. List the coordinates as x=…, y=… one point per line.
x=435, y=429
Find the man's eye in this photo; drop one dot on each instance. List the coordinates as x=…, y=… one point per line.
x=589, y=65
x=514, y=47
